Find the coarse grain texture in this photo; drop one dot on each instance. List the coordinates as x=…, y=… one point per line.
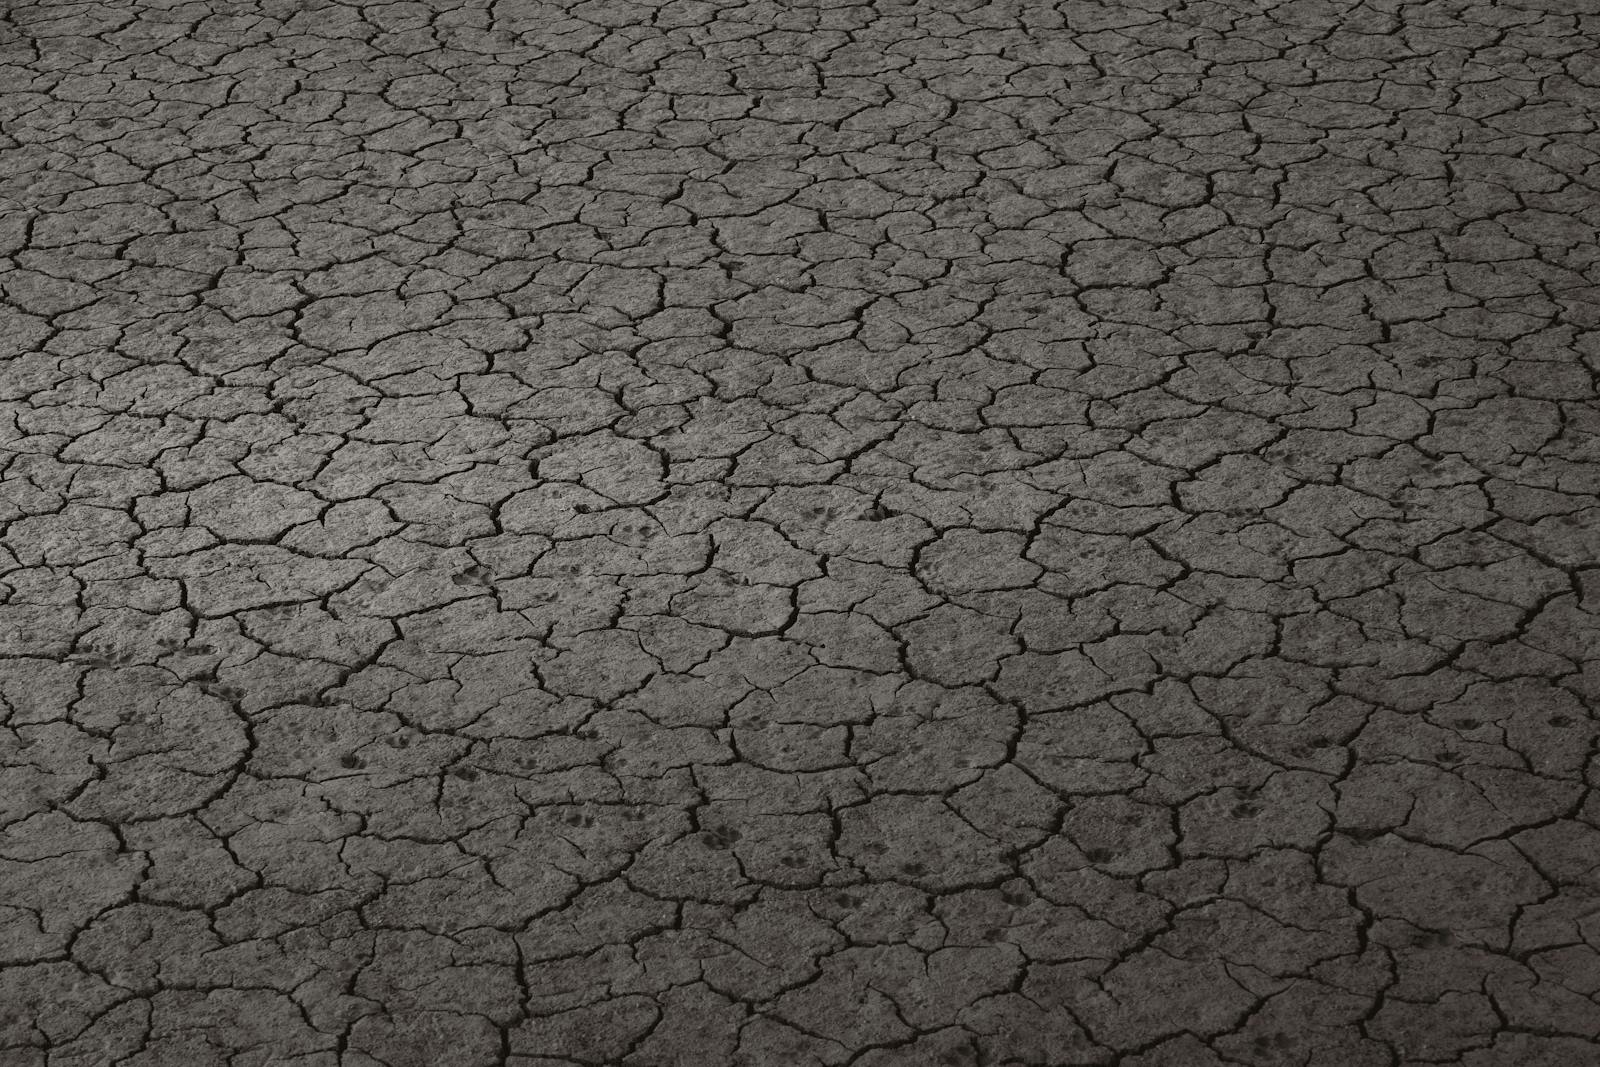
x=799, y=533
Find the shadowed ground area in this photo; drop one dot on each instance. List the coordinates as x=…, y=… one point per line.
x=799, y=533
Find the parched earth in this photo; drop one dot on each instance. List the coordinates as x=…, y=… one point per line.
x=918, y=533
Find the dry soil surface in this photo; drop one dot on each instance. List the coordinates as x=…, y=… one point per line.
x=799, y=533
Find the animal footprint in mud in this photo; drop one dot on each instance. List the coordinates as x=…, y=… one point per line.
x=823, y=516
x=961, y=1054
x=720, y=837
x=578, y=818
x=93, y=655
x=634, y=535
x=475, y=576
x=1431, y=938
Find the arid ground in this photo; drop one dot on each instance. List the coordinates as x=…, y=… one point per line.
x=799, y=533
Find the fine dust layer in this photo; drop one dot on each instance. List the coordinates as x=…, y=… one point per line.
x=799, y=533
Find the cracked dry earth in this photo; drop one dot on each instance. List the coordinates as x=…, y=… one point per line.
x=799, y=533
